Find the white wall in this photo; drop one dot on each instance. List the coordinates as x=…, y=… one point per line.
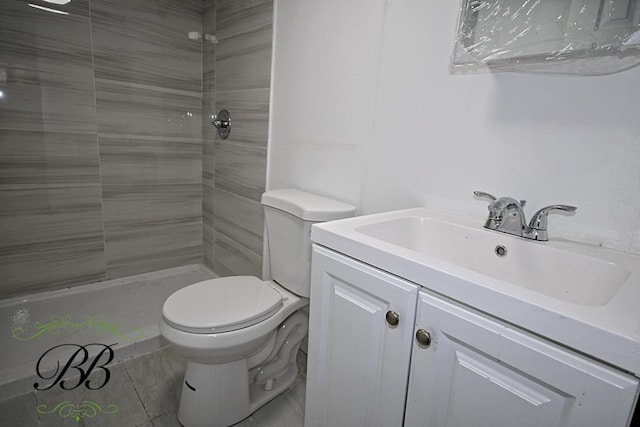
x=364, y=109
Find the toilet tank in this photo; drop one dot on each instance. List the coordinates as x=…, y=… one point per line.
x=289, y=214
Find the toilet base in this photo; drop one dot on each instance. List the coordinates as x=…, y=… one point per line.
x=220, y=395
x=214, y=395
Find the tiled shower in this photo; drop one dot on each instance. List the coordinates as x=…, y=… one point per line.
x=109, y=166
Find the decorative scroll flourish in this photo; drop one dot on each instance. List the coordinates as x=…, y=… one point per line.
x=58, y=323
x=86, y=409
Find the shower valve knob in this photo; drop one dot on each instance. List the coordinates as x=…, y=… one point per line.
x=222, y=122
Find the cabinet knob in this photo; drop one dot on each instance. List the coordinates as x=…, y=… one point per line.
x=423, y=337
x=393, y=318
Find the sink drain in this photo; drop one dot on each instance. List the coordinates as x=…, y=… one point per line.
x=500, y=250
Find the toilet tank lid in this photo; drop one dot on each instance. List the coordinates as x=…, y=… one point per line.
x=307, y=206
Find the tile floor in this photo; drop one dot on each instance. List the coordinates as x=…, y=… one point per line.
x=146, y=390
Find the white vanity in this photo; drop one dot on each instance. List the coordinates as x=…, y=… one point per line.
x=422, y=318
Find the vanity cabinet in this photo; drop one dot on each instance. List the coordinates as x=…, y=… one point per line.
x=441, y=364
x=360, y=332
x=484, y=373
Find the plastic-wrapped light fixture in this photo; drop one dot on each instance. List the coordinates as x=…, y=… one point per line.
x=576, y=37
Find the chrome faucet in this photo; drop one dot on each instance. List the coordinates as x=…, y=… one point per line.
x=506, y=216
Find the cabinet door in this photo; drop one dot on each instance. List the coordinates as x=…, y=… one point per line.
x=358, y=364
x=483, y=373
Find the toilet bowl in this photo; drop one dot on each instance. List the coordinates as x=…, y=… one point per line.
x=255, y=344
x=240, y=335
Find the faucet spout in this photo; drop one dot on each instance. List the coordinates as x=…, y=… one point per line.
x=507, y=216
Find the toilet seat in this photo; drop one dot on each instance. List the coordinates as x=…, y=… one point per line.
x=221, y=305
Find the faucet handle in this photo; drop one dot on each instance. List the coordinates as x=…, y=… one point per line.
x=493, y=198
x=483, y=194
x=538, y=223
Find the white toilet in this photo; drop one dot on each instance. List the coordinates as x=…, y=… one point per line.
x=240, y=335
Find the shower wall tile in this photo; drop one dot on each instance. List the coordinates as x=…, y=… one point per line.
x=136, y=43
x=149, y=102
x=208, y=134
x=49, y=237
x=239, y=219
x=233, y=259
x=147, y=19
x=243, y=77
x=133, y=160
x=151, y=227
x=244, y=60
x=241, y=170
x=125, y=53
x=250, y=115
x=37, y=158
x=50, y=207
x=45, y=108
x=235, y=17
x=129, y=109
x=40, y=48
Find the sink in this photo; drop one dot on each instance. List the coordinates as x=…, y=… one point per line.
x=583, y=296
x=558, y=273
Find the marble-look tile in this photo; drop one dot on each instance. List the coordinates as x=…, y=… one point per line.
x=635, y=244
x=241, y=169
x=19, y=411
x=38, y=215
x=139, y=389
x=209, y=71
x=286, y=410
x=244, y=60
x=125, y=52
x=118, y=391
x=209, y=14
x=239, y=219
x=40, y=48
x=208, y=242
x=131, y=160
x=233, y=259
x=208, y=188
x=128, y=207
x=157, y=378
x=45, y=108
x=209, y=48
x=75, y=9
x=147, y=19
x=250, y=113
x=151, y=227
x=44, y=158
x=49, y=238
x=234, y=17
x=166, y=420
x=129, y=109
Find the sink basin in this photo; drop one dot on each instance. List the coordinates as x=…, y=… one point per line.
x=583, y=296
x=539, y=267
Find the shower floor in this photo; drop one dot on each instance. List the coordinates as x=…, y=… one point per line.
x=40, y=334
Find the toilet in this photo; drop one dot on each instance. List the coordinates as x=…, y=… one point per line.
x=240, y=335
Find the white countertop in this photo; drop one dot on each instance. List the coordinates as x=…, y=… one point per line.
x=609, y=332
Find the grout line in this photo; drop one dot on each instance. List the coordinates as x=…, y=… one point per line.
x=95, y=106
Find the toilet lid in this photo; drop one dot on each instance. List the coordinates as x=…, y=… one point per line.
x=221, y=305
